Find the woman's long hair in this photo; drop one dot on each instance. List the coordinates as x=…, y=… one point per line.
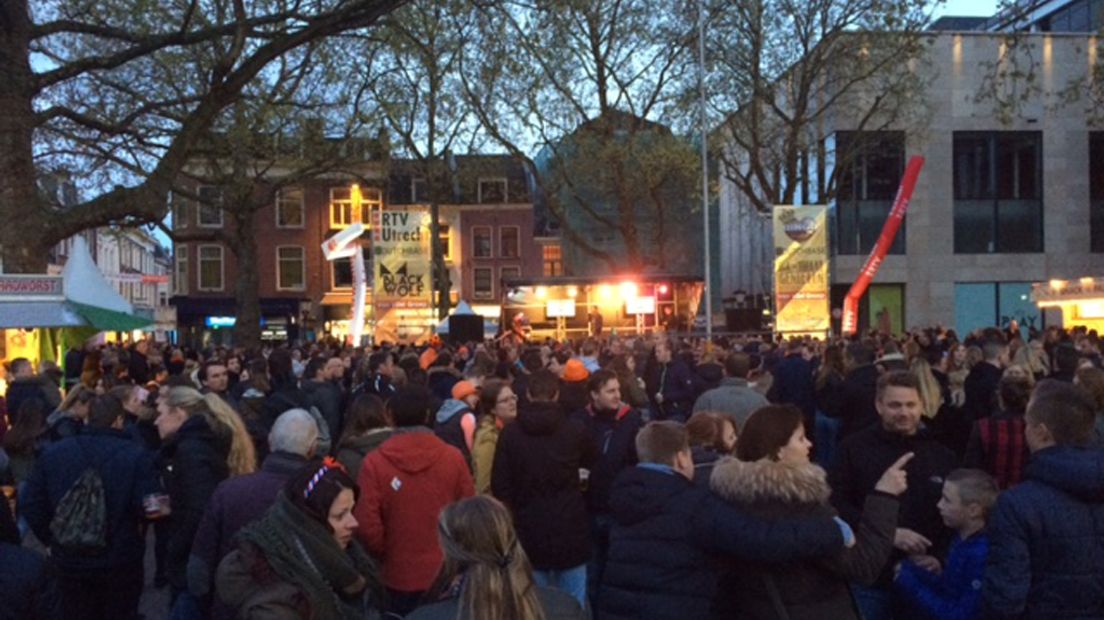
x=931, y=393
x=30, y=424
x=832, y=364
x=366, y=413
x=78, y=394
x=480, y=545
x=242, y=458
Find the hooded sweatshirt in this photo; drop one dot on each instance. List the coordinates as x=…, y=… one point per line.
x=1046, y=540
x=403, y=487
x=455, y=425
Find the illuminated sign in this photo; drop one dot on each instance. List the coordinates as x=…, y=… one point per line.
x=640, y=305
x=215, y=322
x=560, y=308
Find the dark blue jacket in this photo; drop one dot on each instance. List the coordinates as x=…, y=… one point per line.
x=679, y=386
x=195, y=464
x=794, y=383
x=955, y=593
x=128, y=475
x=665, y=534
x=1046, y=552
x=613, y=439
x=28, y=590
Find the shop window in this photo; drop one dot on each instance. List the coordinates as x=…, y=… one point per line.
x=341, y=207
x=995, y=304
x=998, y=179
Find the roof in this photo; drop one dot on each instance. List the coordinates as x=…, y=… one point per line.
x=957, y=23
x=468, y=169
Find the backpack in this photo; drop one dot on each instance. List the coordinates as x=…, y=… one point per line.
x=79, y=525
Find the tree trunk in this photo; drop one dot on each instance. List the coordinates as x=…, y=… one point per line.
x=247, y=298
x=23, y=242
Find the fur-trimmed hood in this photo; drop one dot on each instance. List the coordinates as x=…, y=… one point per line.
x=767, y=480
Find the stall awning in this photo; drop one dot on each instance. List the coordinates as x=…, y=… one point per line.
x=32, y=314
x=110, y=320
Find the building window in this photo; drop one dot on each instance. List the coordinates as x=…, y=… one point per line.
x=553, y=260
x=509, y=241
x=180, y=283
x=1096, y=190
x=509, y=273
x=341, y=272
x=290, y=268
x=419, y=190
x=998, y=180
x=481, y=242
x=210, y=268
x=341, y=207
x=210, y=206
x=289, y=208
x=179, y=211
x=483, y=279
x=371, y=199
x=492, y=191
x=871, y=165
x=444, y=239
x=985, y=304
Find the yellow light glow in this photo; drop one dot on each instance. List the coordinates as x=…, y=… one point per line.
x=1086, y=282
x=628, y=290
x=605, y=291
x=1090, y=310
x=542, y=292
x=572, y=291
x=1057, y=284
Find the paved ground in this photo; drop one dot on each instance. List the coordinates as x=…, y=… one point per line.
x=155, y=602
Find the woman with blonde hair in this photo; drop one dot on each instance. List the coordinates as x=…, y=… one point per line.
x=204, y=442
x=486, y=574
x=931, y=392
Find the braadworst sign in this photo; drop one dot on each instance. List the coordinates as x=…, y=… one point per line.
x=401, y=268
x=801, y=269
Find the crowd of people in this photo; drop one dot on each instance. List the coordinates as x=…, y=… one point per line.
x=909, y=477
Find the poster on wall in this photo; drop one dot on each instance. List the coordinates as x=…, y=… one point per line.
x=801, y=270
x=401, y=282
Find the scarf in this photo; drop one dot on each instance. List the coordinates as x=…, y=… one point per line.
x=303, y=551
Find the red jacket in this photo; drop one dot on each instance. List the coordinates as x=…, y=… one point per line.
x=404, y=484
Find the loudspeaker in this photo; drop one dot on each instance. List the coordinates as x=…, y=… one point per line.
x=465, y=328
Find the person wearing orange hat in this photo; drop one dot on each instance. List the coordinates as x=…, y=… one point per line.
x=455, y=423
x=573, y=390
x=427, y=358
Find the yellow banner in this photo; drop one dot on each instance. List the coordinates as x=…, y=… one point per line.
x=402, y=287
x=801, y=270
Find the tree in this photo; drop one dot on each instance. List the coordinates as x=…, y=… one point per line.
x=94, y=86
x=781, y=74
x=592, y=85
x=419, y=98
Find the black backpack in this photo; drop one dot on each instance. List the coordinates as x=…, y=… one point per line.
x=79, y=525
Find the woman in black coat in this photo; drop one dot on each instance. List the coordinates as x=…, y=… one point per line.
x=204, y=442
x=772, y=477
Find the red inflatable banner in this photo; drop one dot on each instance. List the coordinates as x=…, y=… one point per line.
x=877, y=255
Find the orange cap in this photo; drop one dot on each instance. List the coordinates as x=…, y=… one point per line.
x=574, y=371
x=463, y=389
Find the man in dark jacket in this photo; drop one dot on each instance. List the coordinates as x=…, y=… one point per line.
x=611, y=428
x=983, y=381
x=672, y=386
x=323, y=393
x=378, y=379
x=215, y=379
x=667, y=531
x=863, y=458
x=733, y=397
x=794, y=382
x=138, y=363
x=108, y=584
x=241, y=500
x=24, y=385
x=854, y=404
x=536, y=474
x=1046, y=537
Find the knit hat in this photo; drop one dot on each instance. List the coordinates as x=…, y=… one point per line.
x=427, y=358
x=574, y=371
x=463, y=389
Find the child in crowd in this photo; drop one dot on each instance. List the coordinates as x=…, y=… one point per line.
x=952, y=591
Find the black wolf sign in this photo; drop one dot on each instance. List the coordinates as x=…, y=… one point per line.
x=400, y=283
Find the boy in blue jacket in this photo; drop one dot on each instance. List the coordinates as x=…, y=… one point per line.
x=953, y=592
